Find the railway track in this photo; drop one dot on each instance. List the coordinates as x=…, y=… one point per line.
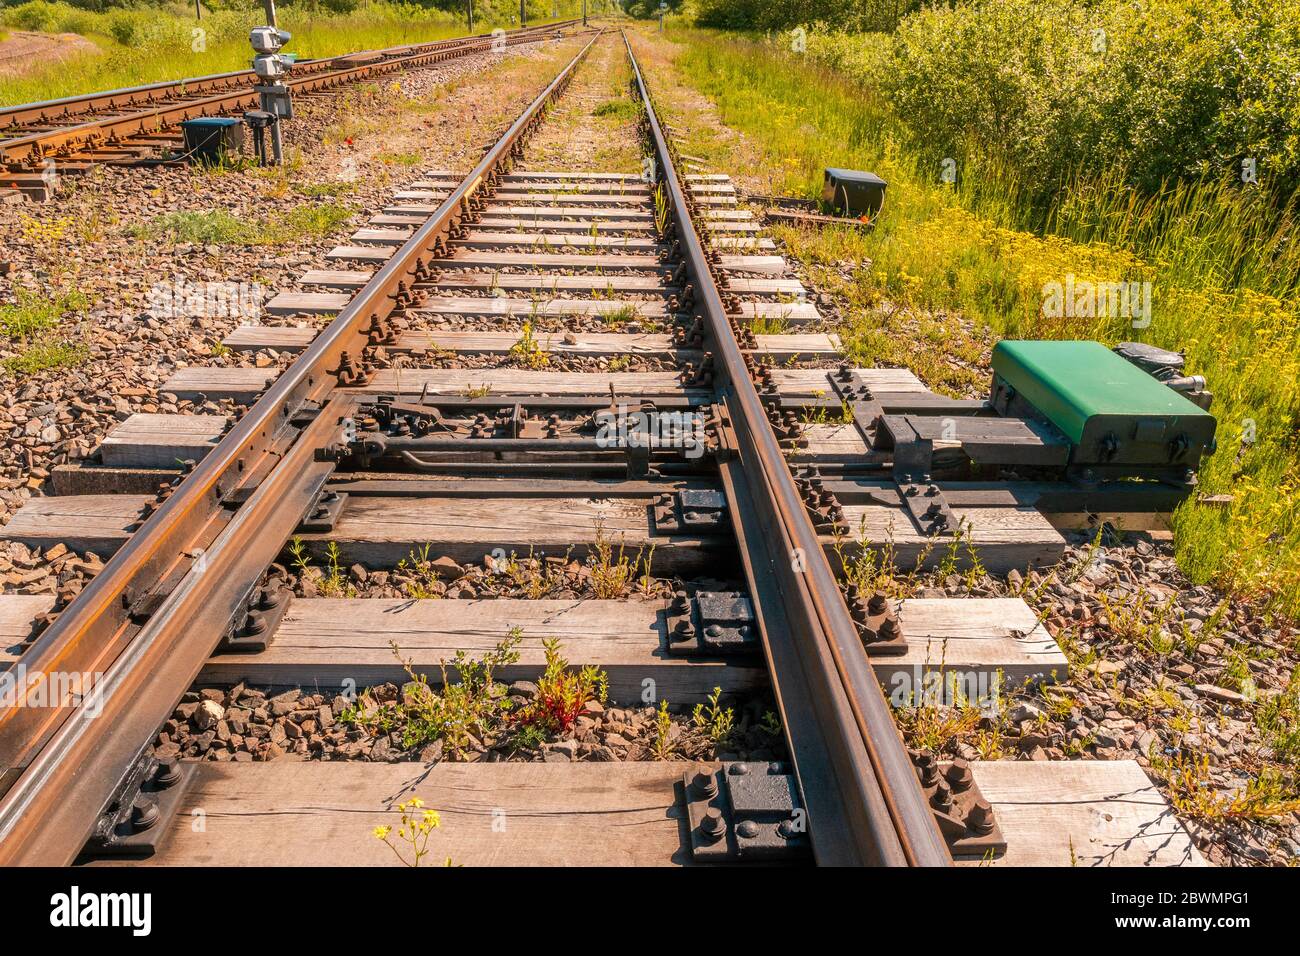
x=140, y=123
x=531, y=368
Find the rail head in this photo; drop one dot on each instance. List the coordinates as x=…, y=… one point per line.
x=870, y=766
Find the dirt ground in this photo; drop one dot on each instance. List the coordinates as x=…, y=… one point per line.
x=22, y=51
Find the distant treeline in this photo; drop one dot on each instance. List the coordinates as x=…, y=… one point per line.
x=851, y=15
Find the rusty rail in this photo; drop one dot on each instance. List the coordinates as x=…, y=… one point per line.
x=864, y=803
x=236, y=94
x=157, y=610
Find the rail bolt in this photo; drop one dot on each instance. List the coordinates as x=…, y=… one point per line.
x=705, y=784
x=144, y=814
x=959, y=775
x=980, y=817
x=713, y=828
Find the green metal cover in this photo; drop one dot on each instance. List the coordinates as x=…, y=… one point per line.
x=1076, y=385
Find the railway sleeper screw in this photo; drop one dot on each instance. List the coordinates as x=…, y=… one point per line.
x=706, y=784
x=168, y=774
x=980, y=817
x=959, y=775
x=714, y=827
x=941, y=799
x=144, y=814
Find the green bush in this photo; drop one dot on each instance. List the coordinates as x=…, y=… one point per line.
x=1160, y=90
x=36, y=15
x=1169, y=90
x=854, y=15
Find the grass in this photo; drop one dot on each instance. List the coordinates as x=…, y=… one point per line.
x=713, y=720
x=621, y=109
x=332, y=581
x=663, y=746
x=562, y=693
x=34, y=313
x=466, y=706
x=46, y=356
x=528, y=351
x=1269, y=796
x=31, y=323
x=953, y=267
x=218, y=227
x=613, y=573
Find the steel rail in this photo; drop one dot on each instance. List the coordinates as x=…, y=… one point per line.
x=61, y=765
x=31, y=148
x=857, y=779
x=47, y=110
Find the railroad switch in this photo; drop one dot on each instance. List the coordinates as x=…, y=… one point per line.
x=697, y=510
x=877, y=621
x=964, y=817
x=265, y=607
x=711, y=623
x=140, y=815
x=744, y=812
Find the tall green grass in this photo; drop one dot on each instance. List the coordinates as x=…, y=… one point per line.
x=1223, y=262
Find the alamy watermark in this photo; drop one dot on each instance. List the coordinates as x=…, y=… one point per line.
x=20, y=687
x=628, y=428
x=925, y=687
x=1084, y=298
x=209, y=300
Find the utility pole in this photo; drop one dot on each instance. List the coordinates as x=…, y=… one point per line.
x=469, y=7
x=523, y=13
x=198, y=10
x=584, y=12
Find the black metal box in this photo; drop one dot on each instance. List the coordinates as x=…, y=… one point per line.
x=852, y=192
x=207, y=140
